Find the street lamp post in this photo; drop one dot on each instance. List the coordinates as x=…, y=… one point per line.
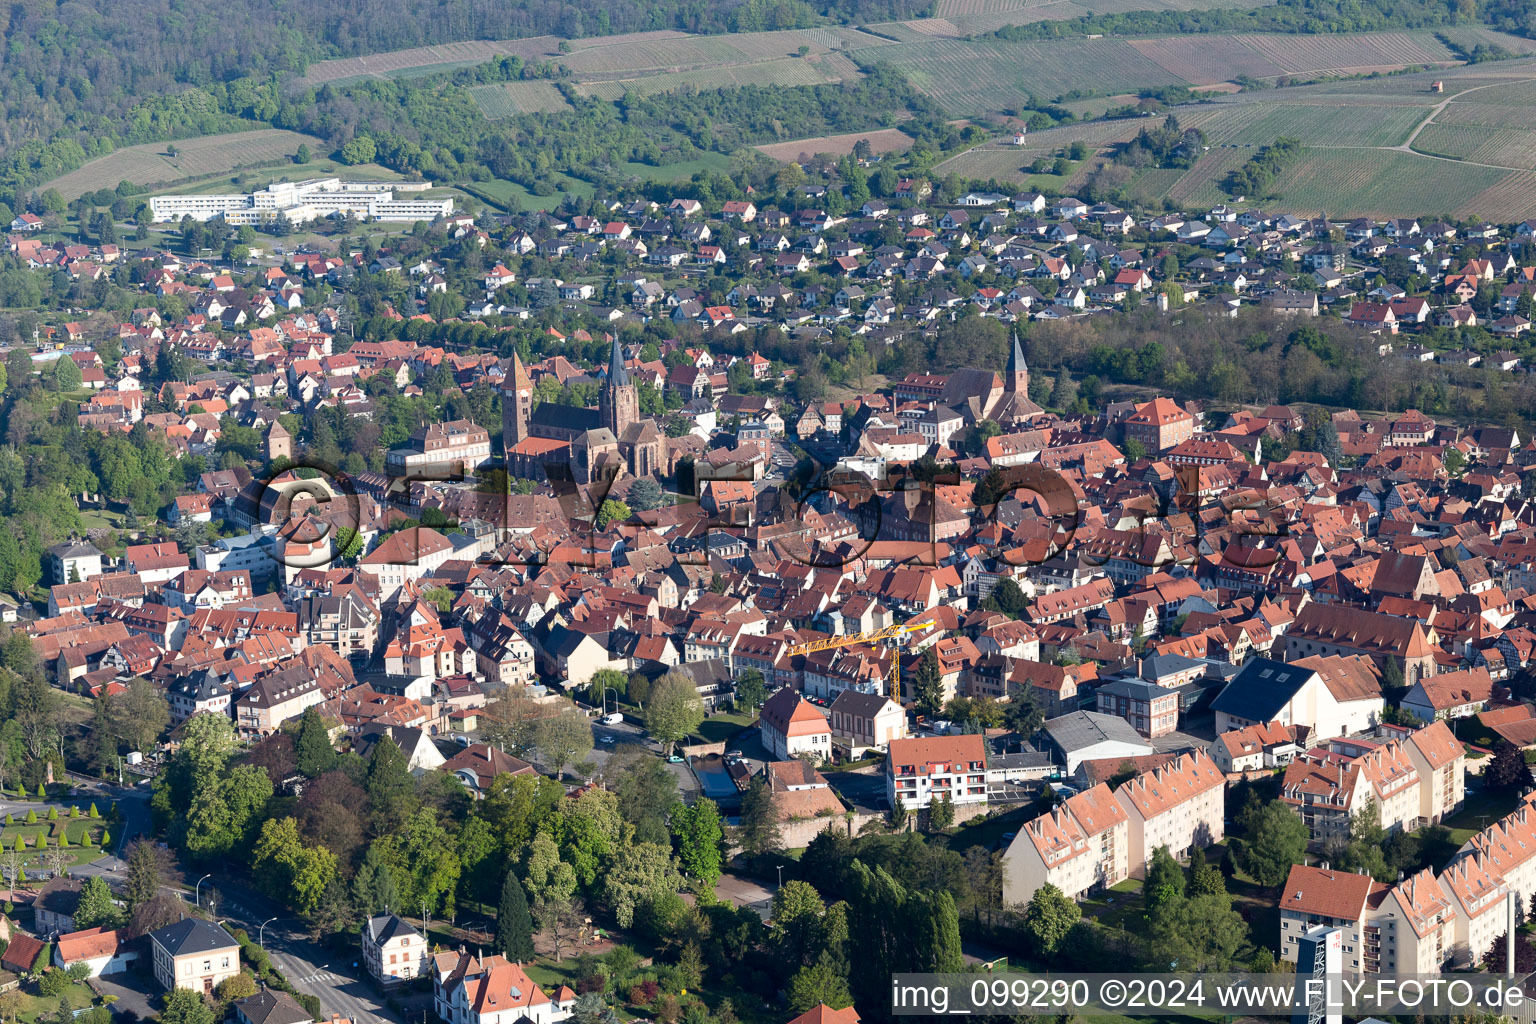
x=196, y=899
x=262, y=931
x=780, y=869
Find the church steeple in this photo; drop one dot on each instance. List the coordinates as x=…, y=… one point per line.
x=617, y=375
x=618, y=404
x=516, y=404
x=1017, y=378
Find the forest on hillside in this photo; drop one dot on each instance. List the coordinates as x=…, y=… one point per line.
x=79, y=77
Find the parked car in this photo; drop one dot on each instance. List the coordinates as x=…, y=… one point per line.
x=613, y=719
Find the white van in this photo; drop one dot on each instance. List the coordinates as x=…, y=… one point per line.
x=613, y=719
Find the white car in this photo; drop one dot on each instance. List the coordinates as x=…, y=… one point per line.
x=613, y=719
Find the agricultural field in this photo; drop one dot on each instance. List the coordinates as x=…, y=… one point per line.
x=786, y=71
x=1503, y=147
x=509, y=99
x=1259, y=123
x=1489, y=115
x=1207, y=59
x=886, y=140
x=664, y=53
x=424, y=60
x=973, y=77
x=1511, y=198
x=1382, y=183
x=150, y=163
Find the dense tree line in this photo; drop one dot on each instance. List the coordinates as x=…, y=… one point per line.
x=1297, y=16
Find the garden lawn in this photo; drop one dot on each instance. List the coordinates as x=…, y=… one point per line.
x=33, y=1007
x=1480, y=810
x=719, y=728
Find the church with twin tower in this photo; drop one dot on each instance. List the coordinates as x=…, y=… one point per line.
x=613, y=434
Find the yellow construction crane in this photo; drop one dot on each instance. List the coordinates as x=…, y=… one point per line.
x=872, y=636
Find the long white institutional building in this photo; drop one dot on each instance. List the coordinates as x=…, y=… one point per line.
x=302, y=201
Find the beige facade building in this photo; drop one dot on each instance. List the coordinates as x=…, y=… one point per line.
x=194, y=954
x=1080, y=846
x=1337, y=899
x=1180, y=805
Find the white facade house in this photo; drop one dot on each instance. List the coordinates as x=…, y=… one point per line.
x=393, y=951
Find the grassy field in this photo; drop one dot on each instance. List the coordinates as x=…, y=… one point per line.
x=1350, y=129
x=508, y=99
x=885, y=140
x=783, y=71
x=426, y=59
x=681, y=170
x=211, y=154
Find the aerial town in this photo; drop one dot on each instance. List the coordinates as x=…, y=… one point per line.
x=651, y=612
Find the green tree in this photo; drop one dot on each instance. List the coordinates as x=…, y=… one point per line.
x=514, y=924
x=928, y=684
x=639, y=873
x=1165, y=880
x=797, y=923
x=1048, y=917
x=66, y=374
x=816, y=984
x=1277, y=839
x=759, y=833
x=941, y=813
x=1204, y=878
x=312, y=750
x=644, y=495
x=674, y=709
x=146, y=870
x=390, y=786
x=750, y=690
x=290, y=869
x=97, y=909
x=611, y=511
x=893, y=929
x=700, y=837
x=604, y=680
x=563, y=737
x=360, y=150
x=184, y=1006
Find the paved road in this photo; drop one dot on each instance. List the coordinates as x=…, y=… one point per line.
x=308, y=966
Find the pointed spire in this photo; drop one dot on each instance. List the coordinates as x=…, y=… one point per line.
x=1016, y=357
x=617, y=375
x=520, y=378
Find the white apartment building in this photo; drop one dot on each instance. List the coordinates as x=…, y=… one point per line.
x=304, y=201
x=918, y=771
x=1079, y=847
x=1181, y=806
